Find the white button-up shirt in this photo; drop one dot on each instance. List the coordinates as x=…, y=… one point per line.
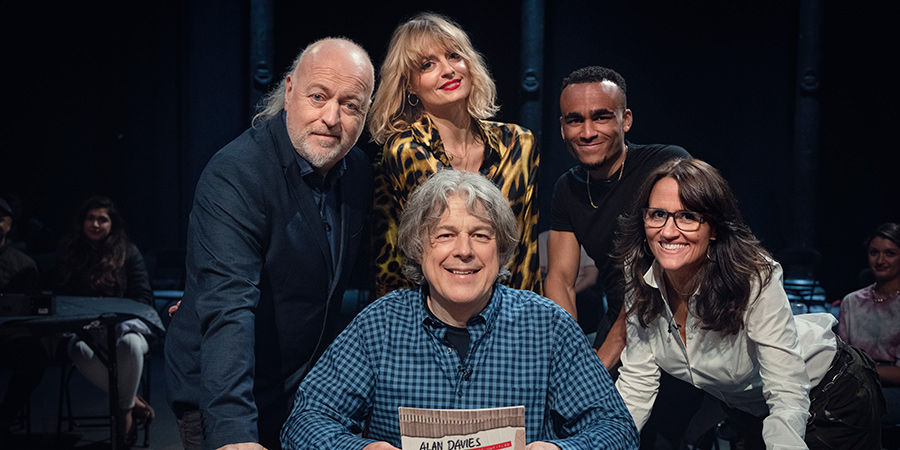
x=766, y=369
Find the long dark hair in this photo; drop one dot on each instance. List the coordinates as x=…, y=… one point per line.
x=735, y=258
x=96, y=264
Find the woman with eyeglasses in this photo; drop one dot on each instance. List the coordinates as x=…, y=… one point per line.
x=705, y=304
x=97, y=259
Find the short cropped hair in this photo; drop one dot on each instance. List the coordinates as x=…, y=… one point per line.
x=391, y=112
x=596, y=74
x=428, y=202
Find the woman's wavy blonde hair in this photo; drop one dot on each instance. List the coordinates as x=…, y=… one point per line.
x=411, y=41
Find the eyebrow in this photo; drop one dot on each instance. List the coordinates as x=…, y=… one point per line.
x=479, y=227
x=592, y=113
x=319, y=86
x=359, y=97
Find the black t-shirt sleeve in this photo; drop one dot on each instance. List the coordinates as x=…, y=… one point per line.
x=560, y=218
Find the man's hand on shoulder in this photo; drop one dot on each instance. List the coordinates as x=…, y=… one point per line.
x=243, y=446
x=538, y=445
x=381, y=445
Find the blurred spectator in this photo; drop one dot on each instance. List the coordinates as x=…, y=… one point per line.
x=19, y=351
x=28, y=233
x=18, y=272
x=870, y=317
x=96, y=259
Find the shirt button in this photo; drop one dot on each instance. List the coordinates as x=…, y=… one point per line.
x=449, y=351
x=459, y=393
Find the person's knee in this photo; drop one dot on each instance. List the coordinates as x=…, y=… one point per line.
x=78, y=351
x=131, y=345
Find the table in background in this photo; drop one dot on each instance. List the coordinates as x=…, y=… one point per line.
x=72, y=314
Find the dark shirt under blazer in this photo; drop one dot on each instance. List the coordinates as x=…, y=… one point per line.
x=262, y=297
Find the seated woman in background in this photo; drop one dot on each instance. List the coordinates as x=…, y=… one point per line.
x=96, y=259
x=430, y=113
x=870, y=317
x=705, y=304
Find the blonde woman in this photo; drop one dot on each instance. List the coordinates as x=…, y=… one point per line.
x=431, y=113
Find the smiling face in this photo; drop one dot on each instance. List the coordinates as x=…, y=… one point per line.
x=441, y=79
x=97, y=224
x=884, y=259
x=593, y=123
x=326, y=100
x=460, y=262
x=680, y=253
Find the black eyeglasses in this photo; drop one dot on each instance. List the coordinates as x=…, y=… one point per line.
x=684, y=220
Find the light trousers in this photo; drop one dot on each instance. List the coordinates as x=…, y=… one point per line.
x=130, y=351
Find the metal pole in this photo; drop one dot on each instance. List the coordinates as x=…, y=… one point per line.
x=801, y=258
x=532, y=63
x=807, y=123
x=261, y=51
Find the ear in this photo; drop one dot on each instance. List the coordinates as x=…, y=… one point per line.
x=561, y=124
x=626, y=120
x=288, y=87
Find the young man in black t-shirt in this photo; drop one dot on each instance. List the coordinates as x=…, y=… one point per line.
x=587, y=202
x=589, y=198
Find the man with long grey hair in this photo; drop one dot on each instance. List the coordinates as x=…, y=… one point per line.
x=273, y=234
x=461, y=340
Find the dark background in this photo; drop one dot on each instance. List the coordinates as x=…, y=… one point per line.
x=130, y=99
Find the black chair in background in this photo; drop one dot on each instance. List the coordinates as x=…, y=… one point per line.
x=801, y=283
x=66, y=413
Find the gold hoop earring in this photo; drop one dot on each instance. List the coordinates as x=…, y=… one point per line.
x=409, y=97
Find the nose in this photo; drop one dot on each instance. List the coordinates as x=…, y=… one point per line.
x=446, y=68
x=669, y=229
x=331, y=113
x=587, y=132
x=462, y=247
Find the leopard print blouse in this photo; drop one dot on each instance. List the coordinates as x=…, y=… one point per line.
x=511, y=161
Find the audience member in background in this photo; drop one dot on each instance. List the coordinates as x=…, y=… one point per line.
x=18, y=272
x=96, y=259
x=705, y=304
x=431, y=112
x=870, y=317
x=20, y=352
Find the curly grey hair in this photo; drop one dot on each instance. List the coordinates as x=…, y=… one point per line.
x=428, y=202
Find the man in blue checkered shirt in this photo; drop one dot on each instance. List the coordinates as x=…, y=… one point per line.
x=460, y=341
